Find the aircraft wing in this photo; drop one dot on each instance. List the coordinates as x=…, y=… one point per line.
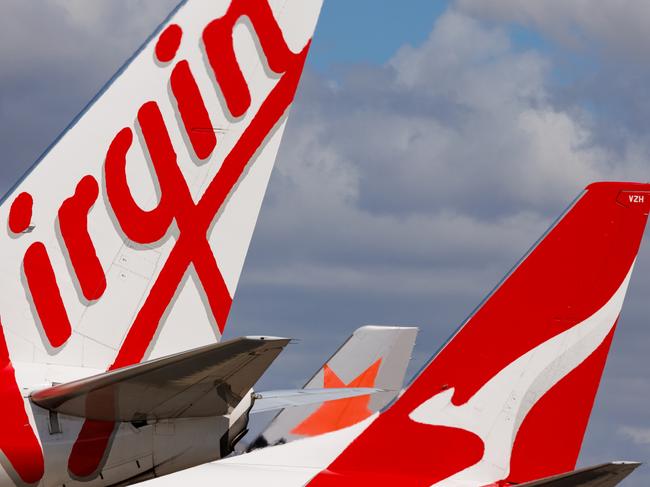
x=605, y=475
x=206, y=381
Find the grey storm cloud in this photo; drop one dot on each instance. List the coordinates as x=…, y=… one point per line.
x=402, y=192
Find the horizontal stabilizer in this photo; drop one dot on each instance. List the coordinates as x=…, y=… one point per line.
x=272, y=400
x=373, y=356
x=605, y=475
x=206, y=381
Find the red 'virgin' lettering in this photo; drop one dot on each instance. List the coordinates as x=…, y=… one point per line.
x=168, y=43
x=90, y=448
x=193, y=220
x=46, y=295
x=17, y=439
x=196, y=119
x=140, y=226
x=20, y=214
x=219, y=47
x=146, y=227
x=73, y=222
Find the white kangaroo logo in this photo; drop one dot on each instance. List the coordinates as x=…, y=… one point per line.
x=498, y=409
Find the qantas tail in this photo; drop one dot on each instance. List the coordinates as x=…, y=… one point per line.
x=127, y=238
x=508, y=398
x=374, y=356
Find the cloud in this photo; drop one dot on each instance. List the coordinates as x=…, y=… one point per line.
x=404, y=192
x=621, y=27
x=450, y=156
x=598, y=58
x=640, y=436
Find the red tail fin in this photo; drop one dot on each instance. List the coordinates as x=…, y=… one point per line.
x=518, y=380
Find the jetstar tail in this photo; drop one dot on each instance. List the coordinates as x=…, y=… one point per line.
x=374, y=356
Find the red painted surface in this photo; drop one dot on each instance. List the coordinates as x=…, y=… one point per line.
x=46, y=295
x=560, y=419
x=196, y=119
x=193, y=220
x=144, y=227
x=168, y=43
x=571, y=274
x=20, y=213
x=221, y=53
x=141, y=226
x=18, y=441
x=445, y=452
x=73, y=222
x=88, y=452
x=334, y=415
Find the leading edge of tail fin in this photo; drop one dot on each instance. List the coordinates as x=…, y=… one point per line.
x=141, y=213
x=373, y=356
x=517, y=382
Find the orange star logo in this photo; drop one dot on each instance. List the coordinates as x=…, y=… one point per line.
x=340, y=413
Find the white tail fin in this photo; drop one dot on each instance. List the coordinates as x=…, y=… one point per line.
x=374, y=356
x=127, y=238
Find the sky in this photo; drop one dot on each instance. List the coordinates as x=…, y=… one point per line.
x=430, y=144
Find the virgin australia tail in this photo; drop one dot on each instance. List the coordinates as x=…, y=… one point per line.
x=127, y=238
x=125, y=241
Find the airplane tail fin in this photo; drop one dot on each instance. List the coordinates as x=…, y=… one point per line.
x=126, y=239
x=373, y=356
x=517, y=381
